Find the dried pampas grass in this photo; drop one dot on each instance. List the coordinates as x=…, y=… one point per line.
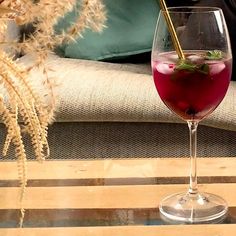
x=21, y=99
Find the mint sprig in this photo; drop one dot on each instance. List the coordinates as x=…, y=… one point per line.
x=200, y=67
x=189, y=66
x=214, y=55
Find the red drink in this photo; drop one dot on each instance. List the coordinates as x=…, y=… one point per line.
x=191, y=94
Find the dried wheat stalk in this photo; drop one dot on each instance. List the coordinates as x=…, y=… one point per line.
x=22, y=99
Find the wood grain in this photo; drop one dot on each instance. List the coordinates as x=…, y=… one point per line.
x=68, y=196
x=179, y=230
x=158, y=167
x=146, y=196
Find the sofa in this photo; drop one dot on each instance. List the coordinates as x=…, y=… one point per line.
x=112, y=110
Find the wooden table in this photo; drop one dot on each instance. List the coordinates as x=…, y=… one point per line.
x=110, y=197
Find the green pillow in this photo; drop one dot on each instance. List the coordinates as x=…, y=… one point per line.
x=130, y=30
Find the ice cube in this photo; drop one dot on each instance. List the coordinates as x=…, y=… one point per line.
x=216, y=68
x=173, y=58
x=165, y=69
x=196, y=59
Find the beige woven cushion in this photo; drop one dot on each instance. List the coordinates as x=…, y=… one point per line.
x=98, y=91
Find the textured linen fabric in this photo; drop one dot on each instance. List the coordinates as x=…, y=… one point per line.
x=91, y=91
x=112, y=140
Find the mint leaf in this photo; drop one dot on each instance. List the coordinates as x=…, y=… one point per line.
x=185, y=65
x=190, y=67
x=203, y=68
x=214, y=55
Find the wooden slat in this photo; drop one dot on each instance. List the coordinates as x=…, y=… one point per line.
x=146, y=196
x=179, y=230
x=160, y=167
x=112, y=197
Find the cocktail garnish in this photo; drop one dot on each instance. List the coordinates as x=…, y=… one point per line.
x=189, y=66
x=214, y=55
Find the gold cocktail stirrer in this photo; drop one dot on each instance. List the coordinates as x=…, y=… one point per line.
x=172, y=30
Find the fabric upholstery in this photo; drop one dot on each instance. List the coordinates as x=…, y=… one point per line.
x=103, y=140
x=92, y=91
x=129, y=31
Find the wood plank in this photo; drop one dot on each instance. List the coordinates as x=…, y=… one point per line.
x=179, y=230
x=140, y=196
x=158, y=167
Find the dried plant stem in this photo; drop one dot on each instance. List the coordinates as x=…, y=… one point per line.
x=22, y=99
x=15, y=133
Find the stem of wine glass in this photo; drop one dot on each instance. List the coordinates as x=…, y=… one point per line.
x=193, y=189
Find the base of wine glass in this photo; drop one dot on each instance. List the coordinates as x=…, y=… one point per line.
x=193, y=208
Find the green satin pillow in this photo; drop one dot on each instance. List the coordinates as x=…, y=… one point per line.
x=130, y=30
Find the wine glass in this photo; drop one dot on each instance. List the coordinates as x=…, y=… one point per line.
x=192, y=87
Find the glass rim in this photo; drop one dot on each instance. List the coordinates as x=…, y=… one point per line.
x=192, y=9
